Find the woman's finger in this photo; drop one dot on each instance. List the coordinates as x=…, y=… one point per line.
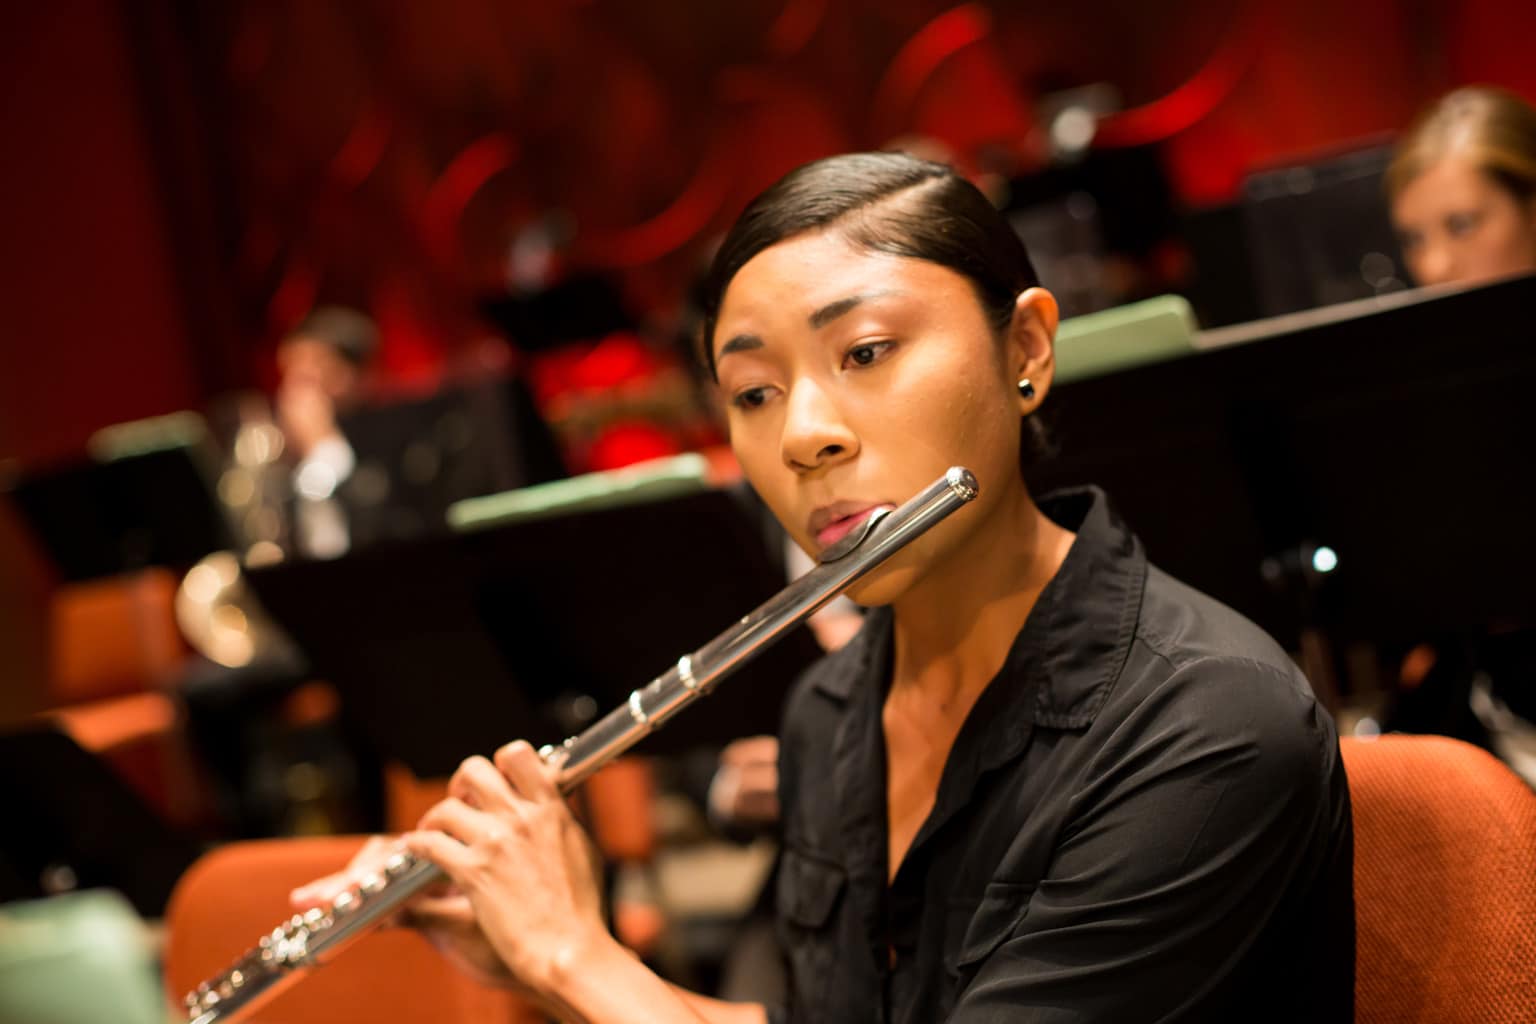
x=368, y=859
x=467, y=824
x=320, y=891
x=478, y=784
x=525, y=769
x=444, y=851
x=440, y=912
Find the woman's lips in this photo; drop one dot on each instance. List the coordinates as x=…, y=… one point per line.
x=841, y=527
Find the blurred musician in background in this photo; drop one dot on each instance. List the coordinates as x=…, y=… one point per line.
x=291, y=483
x=331, y=465
x=327, y=467
x=1462, y=186
x=291, y=466
x=323, y=365
x=1044, y=781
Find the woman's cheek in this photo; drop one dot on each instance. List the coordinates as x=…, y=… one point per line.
x=758, y=456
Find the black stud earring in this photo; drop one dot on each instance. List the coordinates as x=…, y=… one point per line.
x=1026, y=389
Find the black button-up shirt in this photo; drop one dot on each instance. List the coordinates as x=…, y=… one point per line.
x=1143, y=818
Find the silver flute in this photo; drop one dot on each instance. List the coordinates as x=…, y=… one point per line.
x=310, y=940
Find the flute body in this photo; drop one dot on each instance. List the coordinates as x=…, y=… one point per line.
x=310, y=940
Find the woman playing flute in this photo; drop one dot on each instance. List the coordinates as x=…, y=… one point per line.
x=1046, y=782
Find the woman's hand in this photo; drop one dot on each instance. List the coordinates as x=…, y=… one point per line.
x=507, y=839
x=442, y=915
x=368, y=860
x=745, y=790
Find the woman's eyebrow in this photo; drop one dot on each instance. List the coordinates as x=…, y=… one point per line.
x=823, y=316
x=739, y=343
x=832, y=310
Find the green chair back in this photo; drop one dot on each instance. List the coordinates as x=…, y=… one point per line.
x=1116, y=339
x=655, y=480
x=79, y=958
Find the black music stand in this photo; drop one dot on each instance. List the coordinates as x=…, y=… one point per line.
x=65, y=809
x=1401, y=437
x=144, y=497
x=449, y=646
x=470, y=438
x=1320, y=233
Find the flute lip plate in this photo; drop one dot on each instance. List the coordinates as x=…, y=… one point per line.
x=848, y=544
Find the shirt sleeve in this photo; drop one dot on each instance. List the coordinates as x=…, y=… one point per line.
x=1217, y=804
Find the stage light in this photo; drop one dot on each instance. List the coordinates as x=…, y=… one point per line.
x=1325, y=560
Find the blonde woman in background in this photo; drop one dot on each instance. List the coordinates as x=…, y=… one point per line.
x=1462, y=188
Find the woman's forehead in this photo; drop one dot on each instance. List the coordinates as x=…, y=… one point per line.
x=806, y=273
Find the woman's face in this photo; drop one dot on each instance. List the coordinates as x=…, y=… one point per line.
x=854, y=379
x=1459, y=225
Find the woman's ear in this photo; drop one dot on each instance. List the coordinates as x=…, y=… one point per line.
x=1032, y=341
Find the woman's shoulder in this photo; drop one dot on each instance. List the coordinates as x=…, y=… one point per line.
x=1199, y=663
x=1184, y=626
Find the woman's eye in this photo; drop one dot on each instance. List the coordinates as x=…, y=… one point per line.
x=1461, y=223
x=750, y=398
x=867, y=354
x=1409, y=240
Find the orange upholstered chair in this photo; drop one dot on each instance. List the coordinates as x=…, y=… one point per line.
x=1445, y=883
x=115, y=651
x=233, y=896
x=113, y=637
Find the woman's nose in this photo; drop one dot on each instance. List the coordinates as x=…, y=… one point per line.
x=815, y=432
x=1435, y=264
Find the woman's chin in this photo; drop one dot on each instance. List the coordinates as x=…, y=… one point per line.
x=883, y=586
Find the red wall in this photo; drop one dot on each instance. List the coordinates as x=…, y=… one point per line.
x=91, y=326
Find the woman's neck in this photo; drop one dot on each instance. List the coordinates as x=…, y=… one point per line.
x=953, y=630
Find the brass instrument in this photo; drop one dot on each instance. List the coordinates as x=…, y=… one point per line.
x=222, y=620
x=216, y=611
x=310, y=940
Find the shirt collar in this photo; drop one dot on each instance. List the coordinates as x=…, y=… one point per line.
x=1074, y=643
